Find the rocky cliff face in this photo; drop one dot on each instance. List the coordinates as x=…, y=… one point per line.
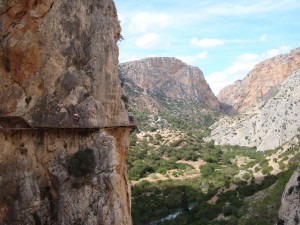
x=170, y=78
x=260, y=84
x=268, y=126
x=64, y=177
x=168, y=88
x=59, y=58
x=289, y=213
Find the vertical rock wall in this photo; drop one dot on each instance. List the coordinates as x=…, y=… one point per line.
x=169, y=77
x=58, y=58
x=289, y=213
x=64, y=177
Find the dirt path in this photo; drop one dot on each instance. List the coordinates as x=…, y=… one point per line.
x=154, y=177
x=195, y=164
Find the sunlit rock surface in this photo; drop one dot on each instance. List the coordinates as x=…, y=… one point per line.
x=267, y=126
x=260, y=84
x=171, y=78
x=59, y=58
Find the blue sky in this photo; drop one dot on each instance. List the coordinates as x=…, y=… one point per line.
x=225, y=39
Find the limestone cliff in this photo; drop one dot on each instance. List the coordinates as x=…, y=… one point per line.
x=268, y=126
x=289, y=213
x=260, y=84
x=168, y=88
x=169, y=77
x=59, y=58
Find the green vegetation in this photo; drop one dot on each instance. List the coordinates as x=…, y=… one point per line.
x=152, y=201
x=225, y=184
x=82, y=163
x=146, y=156
x=237, y=205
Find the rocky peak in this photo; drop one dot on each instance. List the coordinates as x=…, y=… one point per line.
x=169, y=77
x=267, y=127
x=260, y=82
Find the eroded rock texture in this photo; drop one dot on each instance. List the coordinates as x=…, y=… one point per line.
x=64, y=177
x=58, y=58
x=267, y=127
x=289, y=213
x=260, y=84
x=169, y=77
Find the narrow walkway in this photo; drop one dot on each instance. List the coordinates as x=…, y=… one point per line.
x=131, y=126
x=15, y=123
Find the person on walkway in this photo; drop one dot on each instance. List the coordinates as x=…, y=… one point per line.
x=76, y=119
x=131, y=119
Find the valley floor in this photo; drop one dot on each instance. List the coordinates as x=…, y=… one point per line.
x=230, y=184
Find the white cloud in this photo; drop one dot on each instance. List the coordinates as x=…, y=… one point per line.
x=145, y=22
x=127, y=57
x=192, y=59
x=240, y=68
x=202, y=55
x=247, y=8
x=188, y=59
x=122, y=18
x=150, y=41
x=285, y=48
x=152, y=55
x=214, y=42
x=207, y=42
x=273, y=52
x=217, y=81
x=263, y=37
x=248, y=57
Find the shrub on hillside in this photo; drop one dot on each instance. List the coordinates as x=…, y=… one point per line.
x=256, y=169
x=208, y=169
x=230, y=210
x=139, y=170
x=266, y=170
x=246, y=176
x=82, y=163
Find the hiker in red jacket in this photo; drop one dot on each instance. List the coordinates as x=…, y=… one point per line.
x=75, y=118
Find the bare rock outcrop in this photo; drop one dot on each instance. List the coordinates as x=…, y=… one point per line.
x=64, y=177
x=289, y=213
x=260, y=84
x=268, y=126
x=60, y=58
x=169, y=77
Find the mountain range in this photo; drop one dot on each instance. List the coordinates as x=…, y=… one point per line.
x=263, y=107
x=267, y=101
x=261, y=111
x=58, y=61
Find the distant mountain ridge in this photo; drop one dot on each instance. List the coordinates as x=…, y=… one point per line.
x=260, y=84
x=267, y=102
x=169, y=77
x=167, y=86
